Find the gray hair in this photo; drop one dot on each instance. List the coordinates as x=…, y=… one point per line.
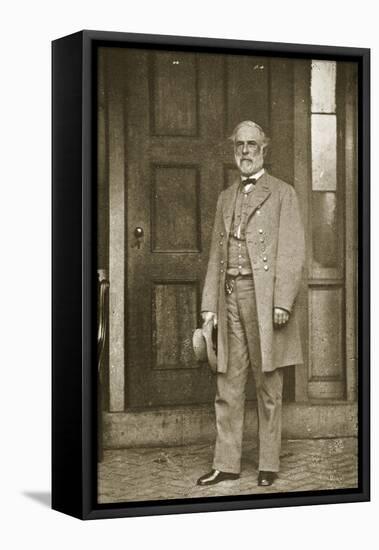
x=250, y=124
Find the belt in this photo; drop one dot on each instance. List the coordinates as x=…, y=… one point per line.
x=230, y=281
x=239, y=275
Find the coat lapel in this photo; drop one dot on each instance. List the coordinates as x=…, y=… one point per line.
x=260, y=194
x=228, y=204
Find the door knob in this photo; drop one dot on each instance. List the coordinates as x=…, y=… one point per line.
x=138, y=233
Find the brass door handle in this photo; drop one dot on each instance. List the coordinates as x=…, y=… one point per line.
x=102, y=321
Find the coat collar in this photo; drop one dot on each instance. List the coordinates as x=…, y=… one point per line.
x=260, y=194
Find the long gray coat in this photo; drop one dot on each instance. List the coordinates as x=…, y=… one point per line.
x=274, y=218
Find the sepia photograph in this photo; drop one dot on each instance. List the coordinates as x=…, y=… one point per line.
x=187, y=231
x=227, y=262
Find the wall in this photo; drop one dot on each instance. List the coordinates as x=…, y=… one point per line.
x=25, y=243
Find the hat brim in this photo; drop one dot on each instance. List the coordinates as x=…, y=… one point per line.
x=199, y=346
x=203, y=346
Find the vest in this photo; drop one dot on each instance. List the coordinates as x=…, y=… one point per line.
x=238, y=257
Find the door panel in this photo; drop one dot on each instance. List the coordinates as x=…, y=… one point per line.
x=168, y=183
x=282, y=115
x=246, y=84
x=174, y=89
x=173, y=317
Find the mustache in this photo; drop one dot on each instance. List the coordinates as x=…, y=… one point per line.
x=254, y=158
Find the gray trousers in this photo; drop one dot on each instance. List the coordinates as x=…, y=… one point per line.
x=244, y=353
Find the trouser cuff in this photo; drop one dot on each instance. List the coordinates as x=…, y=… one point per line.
x=225, y=468
x=268, y=468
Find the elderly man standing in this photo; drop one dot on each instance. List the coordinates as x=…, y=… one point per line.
x=253, y=278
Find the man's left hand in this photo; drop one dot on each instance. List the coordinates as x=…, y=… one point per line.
x=281, y=316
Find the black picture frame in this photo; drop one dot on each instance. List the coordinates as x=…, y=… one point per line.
x=74, y=417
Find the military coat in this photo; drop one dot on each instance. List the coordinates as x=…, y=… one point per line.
x=275, y=245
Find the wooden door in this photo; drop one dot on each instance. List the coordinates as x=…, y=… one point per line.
x=179, y=109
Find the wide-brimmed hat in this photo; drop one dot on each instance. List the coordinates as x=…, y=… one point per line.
x=204, y=343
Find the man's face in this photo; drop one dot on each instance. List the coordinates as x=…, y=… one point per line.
x=249, y=150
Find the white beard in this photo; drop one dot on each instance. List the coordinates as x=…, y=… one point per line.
x=251, y=167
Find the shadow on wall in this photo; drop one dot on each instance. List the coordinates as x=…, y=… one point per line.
x=41, y=497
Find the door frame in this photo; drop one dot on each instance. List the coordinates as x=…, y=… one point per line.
x=116, y=153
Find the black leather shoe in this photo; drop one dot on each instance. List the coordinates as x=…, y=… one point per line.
x=215, y=476
x=265, y=479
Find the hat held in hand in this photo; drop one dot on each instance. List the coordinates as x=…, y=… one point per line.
x=204, y=345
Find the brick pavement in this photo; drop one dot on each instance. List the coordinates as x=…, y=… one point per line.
x=171, y=472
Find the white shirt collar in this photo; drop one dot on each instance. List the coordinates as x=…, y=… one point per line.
x=256, y=176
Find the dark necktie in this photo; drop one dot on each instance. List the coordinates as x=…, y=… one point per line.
x=248, y=181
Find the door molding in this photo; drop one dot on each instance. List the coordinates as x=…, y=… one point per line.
x=116, y=174
x=302, y=179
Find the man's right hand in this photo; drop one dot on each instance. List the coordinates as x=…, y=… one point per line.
x=209, y=316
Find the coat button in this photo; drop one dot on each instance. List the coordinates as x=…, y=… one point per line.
x=222, y=261
x=258, y=212
x=260, y=231
x=265, y=258
x=222, y=271
x=221, y=234
x=221, y=243
x=266, y=267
